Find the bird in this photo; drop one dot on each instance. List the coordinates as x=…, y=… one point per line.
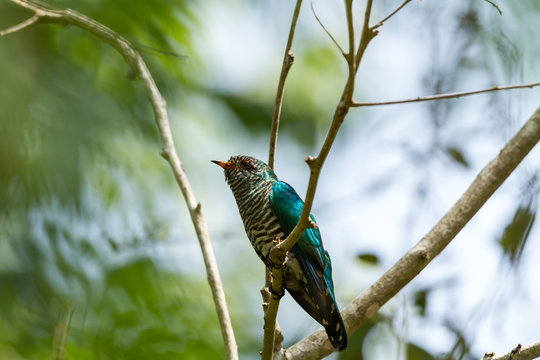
x=270, y=209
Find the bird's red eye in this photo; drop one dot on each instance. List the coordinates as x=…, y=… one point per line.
x=246, y=164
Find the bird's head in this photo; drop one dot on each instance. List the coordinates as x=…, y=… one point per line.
x=245, y=172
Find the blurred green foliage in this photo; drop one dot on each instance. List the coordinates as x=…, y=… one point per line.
x=77, y=137
x=137, y=312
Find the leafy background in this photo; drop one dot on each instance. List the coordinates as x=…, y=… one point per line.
x=93, y=228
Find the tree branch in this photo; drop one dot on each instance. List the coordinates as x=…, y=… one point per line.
x=28, y=22
x=368, y=33
x=380, y=23
x=518, y=353
x=316, y=345
x=279, y=252
x=270, y=316
x=446, y=96
x=327, y=32
x=315, y=163
x=495, y=6
x=271, y=305
x=350, y=30
x=288, y=60
x=168, y=151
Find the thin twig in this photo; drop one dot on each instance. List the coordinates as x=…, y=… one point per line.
x=446, y=96
x=146, y=48
x=495, y=6
x=316, y=345
x=518, y=353
x=271, y=309
x=28, y=22
x=288, y=60
x=380, y=23
x=168, y=151
x=327, y=32
x=368, y=34
x=350, y=30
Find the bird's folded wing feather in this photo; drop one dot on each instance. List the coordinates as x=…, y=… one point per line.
x=287, y=207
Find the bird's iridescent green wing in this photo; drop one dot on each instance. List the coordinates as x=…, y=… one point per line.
x=287, y=207
x=316, y=292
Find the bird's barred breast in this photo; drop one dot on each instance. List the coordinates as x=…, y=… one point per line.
x=261, y=226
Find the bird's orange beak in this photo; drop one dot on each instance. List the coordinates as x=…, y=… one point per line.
x=225, y=165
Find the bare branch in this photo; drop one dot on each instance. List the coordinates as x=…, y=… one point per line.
x=380, y=23
x=288, y=60
x=518, y=353
x=327, y=32
x=445, y=96
x=168, y=151
x=316, y=345
x=28, y=22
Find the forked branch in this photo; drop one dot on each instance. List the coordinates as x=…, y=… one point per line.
x=341, y=111
x=381, y=23
x=279, y=251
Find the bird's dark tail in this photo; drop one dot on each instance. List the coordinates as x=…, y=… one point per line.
x=336, y=331
x=316, y=296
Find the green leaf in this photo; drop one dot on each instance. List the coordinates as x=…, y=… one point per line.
x=420, y=300
x=368, y=258
x=457, y=155
x=516, y=233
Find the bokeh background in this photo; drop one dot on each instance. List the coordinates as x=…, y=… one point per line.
x=94, y=233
